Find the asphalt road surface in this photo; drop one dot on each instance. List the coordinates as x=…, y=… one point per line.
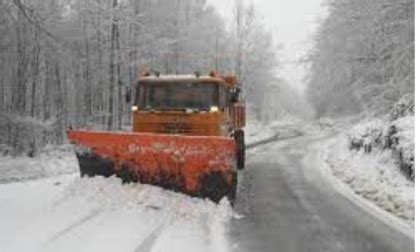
x=287, y=206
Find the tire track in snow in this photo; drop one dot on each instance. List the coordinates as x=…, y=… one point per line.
x=75, y=225
x=149, y=242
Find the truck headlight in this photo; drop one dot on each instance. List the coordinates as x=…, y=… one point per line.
x=214, y=109
x=134, y=108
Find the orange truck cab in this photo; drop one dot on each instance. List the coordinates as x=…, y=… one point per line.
x=191, y=105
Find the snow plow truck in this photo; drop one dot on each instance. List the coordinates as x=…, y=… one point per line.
x=187, y=137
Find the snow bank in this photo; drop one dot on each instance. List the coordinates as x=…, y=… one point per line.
x=376, y=175
x=406, y=143
x=53, y=161
x=111, y=194
x=68, y=213
x=375, y=157
x=379, y=135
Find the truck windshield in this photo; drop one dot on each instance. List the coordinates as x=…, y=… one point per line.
x=198, y=96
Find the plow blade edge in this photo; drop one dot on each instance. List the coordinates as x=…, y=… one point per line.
x=198, y=166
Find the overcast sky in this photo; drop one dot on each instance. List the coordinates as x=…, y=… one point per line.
x=293, y=23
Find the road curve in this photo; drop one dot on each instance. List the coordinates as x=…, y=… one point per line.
x=275, y=138
x=287, y=206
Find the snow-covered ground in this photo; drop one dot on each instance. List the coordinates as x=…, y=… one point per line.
x=376, y=175
x=46, y=206
x=257, y=131
x=67, y=213
x=53, y=161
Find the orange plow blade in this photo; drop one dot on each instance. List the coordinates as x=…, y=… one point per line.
x=198, y=166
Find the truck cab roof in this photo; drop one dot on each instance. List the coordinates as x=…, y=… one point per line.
x=228, y=81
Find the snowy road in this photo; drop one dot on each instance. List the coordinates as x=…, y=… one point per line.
x=284, y=204
x=289, y=206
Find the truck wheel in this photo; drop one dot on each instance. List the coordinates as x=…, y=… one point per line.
x=232, y=191
x=240, y=149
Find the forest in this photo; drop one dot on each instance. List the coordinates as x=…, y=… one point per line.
x=70, y=63
x=362, y=60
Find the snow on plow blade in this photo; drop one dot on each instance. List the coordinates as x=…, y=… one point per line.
x=198, y=166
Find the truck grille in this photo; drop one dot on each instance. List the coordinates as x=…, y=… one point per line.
x=178, y=128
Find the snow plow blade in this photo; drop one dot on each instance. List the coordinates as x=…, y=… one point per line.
x=198, y=166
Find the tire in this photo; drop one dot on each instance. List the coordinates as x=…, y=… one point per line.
x=240, y=149
x=232, y=191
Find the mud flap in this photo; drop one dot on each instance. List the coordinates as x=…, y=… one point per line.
x=198, y=166
x=240, y=148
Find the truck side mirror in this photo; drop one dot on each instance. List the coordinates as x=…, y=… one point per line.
x=234, y=95
x=128, y=95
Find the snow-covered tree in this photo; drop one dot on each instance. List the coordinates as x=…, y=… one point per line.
x=363, y=59
x=68, y=63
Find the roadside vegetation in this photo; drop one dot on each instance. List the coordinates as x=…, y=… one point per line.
x=362, y=65
x=363, y=57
